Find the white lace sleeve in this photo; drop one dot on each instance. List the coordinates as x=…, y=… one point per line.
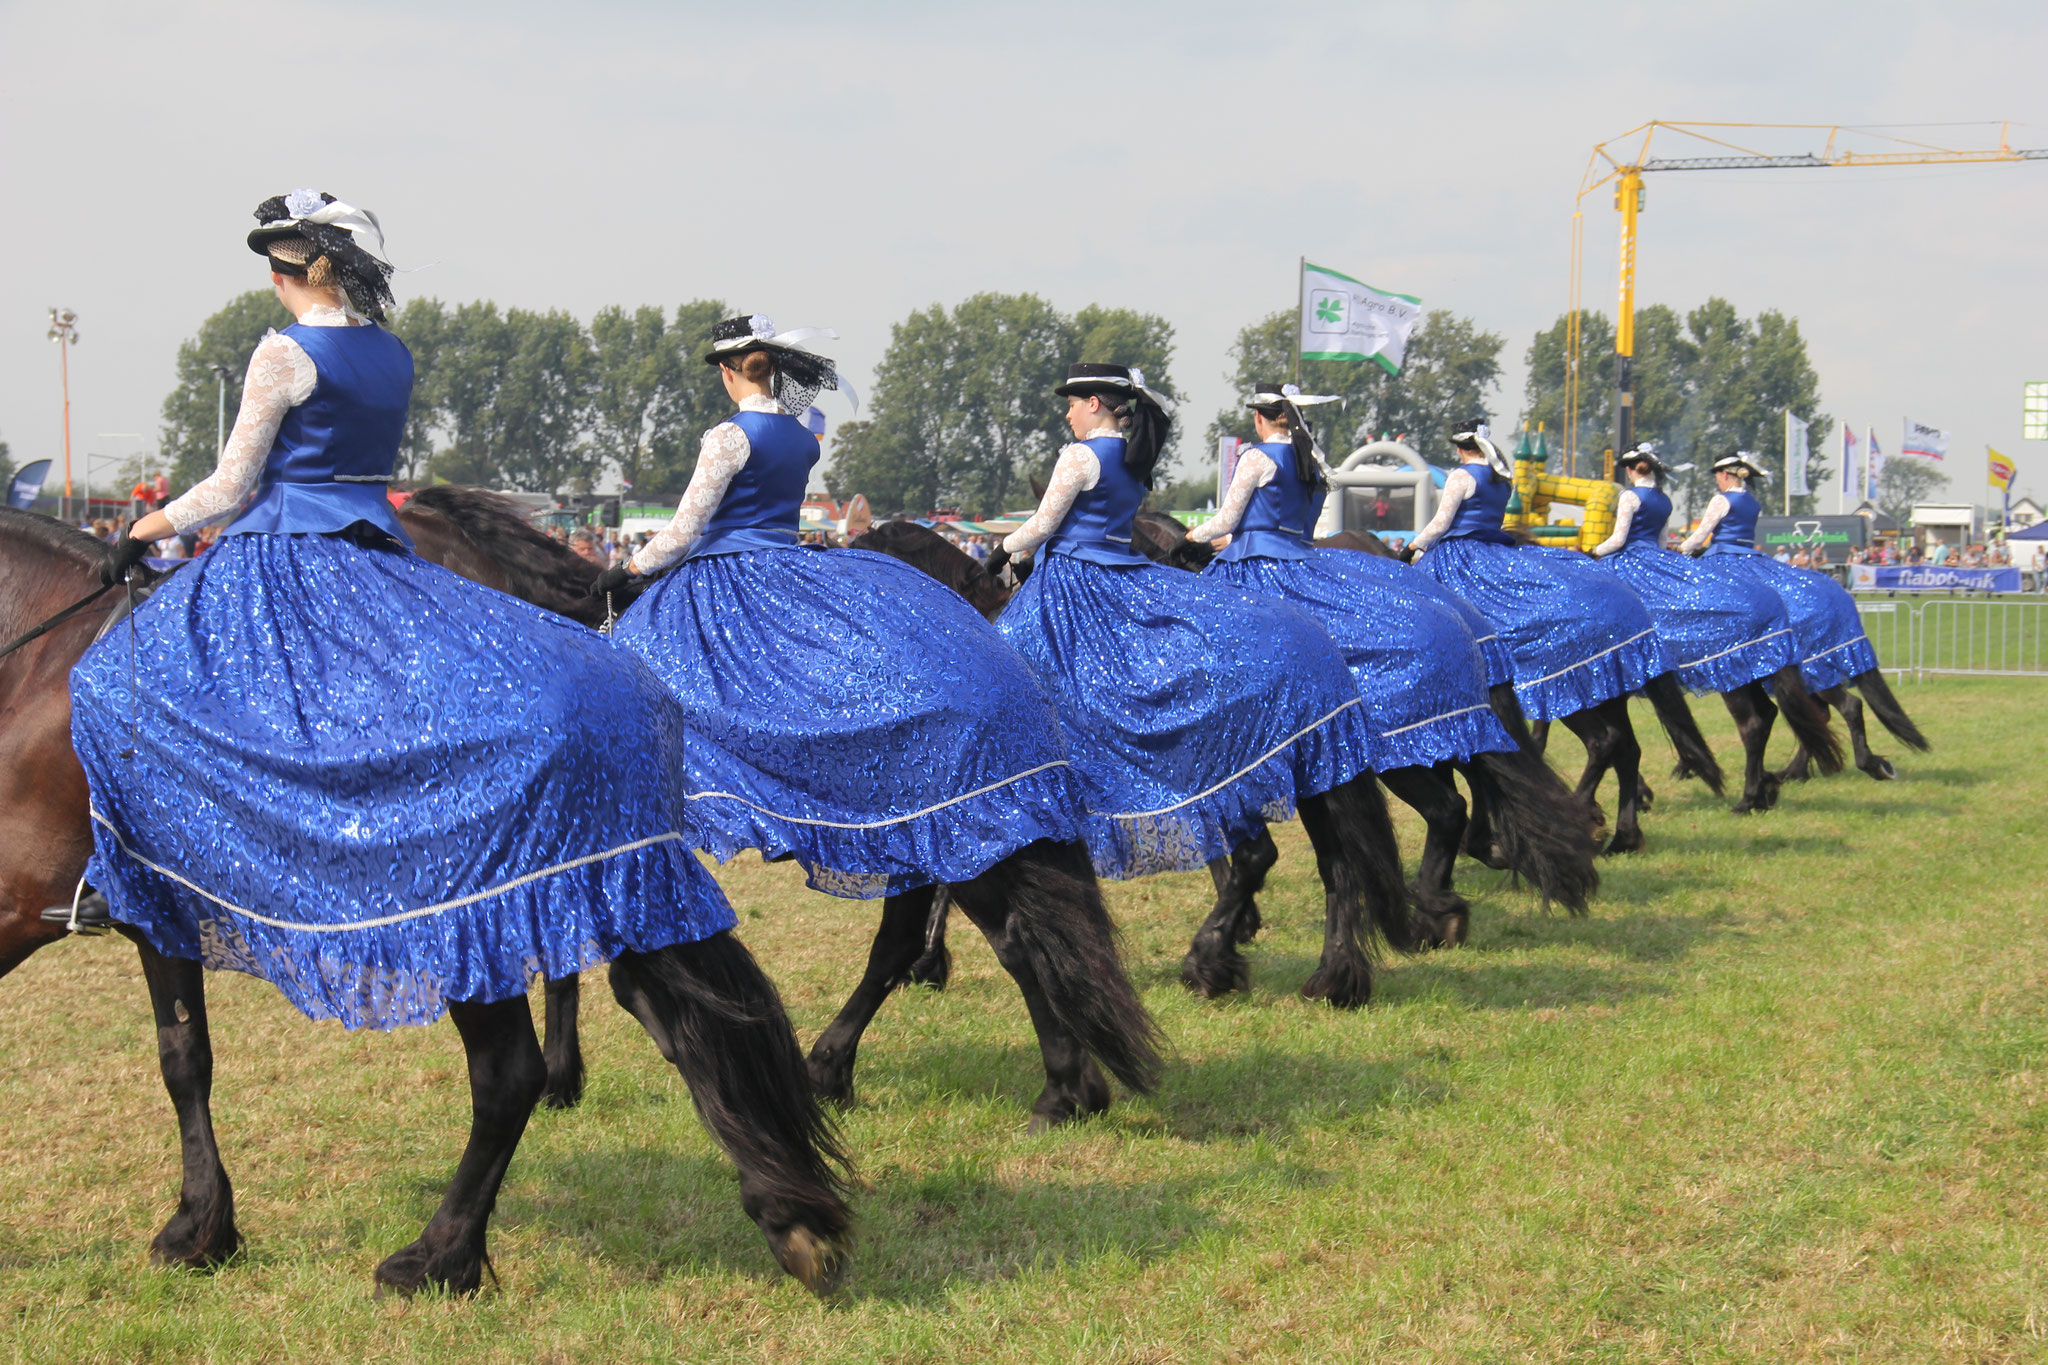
x=1076, y=472
x=719, y=461
x=1703, y=534
x=1458, y=486
x=1624, y=513
x=281, y=376
x=1255, y=469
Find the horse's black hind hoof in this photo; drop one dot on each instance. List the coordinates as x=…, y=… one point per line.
x=815, y=1261
x=1057, y=1107
x=1215, y=973
x=1441, y=929
x=185, y=1247
x=1881, y=769
x=564, y=1091
x=410, y=1269
x=831, y=1082
x=1345, y=983
x=933, y=970
x=1626, y=841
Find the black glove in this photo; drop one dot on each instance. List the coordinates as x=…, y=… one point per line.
x=1408, y=553
x=611, y=580
x=126, y=554
x=997, y=559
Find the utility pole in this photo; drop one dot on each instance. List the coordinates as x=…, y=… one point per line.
x=64, y=331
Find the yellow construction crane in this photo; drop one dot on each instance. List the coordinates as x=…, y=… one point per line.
x=1625, y=169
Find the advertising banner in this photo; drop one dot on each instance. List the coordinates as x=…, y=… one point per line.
x=27, y=485
x=1795, y=456
x=1921, y=439
x=1931, y=578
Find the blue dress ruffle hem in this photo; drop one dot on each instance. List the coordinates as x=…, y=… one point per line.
x=849, y=711
x=1576, y=636
x=1415, y=662
x=1722, y=627
x=379, y=786
x=1196, y=712
x=1832, y=646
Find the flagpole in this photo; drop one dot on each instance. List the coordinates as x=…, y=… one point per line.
x=1788, y=462
x=1300, y=303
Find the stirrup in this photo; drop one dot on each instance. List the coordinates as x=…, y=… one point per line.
x=88, y=915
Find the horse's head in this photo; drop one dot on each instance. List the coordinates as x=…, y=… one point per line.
x=925, y=549
x=1364, y=542
x=487, y=538
x=1164, y=540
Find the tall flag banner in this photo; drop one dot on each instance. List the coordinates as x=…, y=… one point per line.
x=1852, y=482
x=1226, y=464
x=1347, y=319
x=2000, y=471
x=1921, y=439
x=27, y=485
x=1874, y=466
x=1796, y=455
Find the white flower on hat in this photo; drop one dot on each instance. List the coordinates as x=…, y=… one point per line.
x=303, y=203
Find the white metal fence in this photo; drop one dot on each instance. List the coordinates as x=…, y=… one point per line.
x=1962, y=636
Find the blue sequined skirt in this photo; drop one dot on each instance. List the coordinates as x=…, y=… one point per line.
x=1196, y=712
x=1723, y=628
x=851, y=712
x=380, y=786
x=1832, y=646
x=1576, y=636
x=1421, y=673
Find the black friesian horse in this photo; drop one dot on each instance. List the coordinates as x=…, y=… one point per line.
x=1040, y=908
x=707, y=1005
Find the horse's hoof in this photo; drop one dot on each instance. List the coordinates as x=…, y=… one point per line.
x=816, y=1261
x=1881, y=769
x=1215, y=973
x=563, y=1092
x=1626, y=841
x=181, y=1249
x=1346, y=983
x=1441, y=929
x=1057, y=1107
x=830, y=1082
x=410, y=1269
x=933, y=970
x=1645, y=798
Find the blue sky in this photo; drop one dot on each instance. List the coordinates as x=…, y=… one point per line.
x=842, y=165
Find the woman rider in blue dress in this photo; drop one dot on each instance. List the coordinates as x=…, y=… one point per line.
x=1581, y=642
x=1726, y=631
x=317, y=758
x=1834, y=653
x=1196, y=713
x=850, y=712
x=1414, y=660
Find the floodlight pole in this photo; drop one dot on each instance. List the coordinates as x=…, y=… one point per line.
x=64, y=331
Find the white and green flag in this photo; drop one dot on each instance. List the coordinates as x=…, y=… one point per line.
x=1345, y=319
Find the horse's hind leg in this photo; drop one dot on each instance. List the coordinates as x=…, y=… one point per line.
x=934, y=966
x=1876, y=765
x=1754, y=714
x=506, y=1074
x=898, y=940
x=1251, y=862
x=718, y=1020
x=561, y=1043
x=1213, y=967
x=1363, y=893
x=1610, y=741
x=202, y=1232
x=1442, y=916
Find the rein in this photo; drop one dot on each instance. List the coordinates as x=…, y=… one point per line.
x=59, y=619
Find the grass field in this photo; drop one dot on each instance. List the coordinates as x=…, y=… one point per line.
x=1780, y=1099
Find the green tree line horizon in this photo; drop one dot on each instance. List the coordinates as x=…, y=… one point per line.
x=961, y=412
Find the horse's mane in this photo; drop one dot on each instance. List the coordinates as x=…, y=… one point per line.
x=1363, y=542
x=41, y=560
x=925, y=549
x=1162, y=539
x=537, y=567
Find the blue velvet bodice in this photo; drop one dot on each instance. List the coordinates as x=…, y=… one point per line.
x=1736, y=533
x=1652, y=512
x=1480, y=514
x=334, y=453
x=1281, y=516
x=1098, y=526
x=762, y=503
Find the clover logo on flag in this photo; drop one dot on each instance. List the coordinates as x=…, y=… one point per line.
x=1327, y=310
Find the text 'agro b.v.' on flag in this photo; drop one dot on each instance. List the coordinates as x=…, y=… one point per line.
x=1344, y=319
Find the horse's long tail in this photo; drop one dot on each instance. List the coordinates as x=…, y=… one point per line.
x=1544, y=828
x=1683, y=730
x=1358, y=814
x=716, y=1017
x=1059, y=927
x=1808, y=718
x=1890, y=714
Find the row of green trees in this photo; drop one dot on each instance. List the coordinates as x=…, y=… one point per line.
x=962, y=412
x=516, y=399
